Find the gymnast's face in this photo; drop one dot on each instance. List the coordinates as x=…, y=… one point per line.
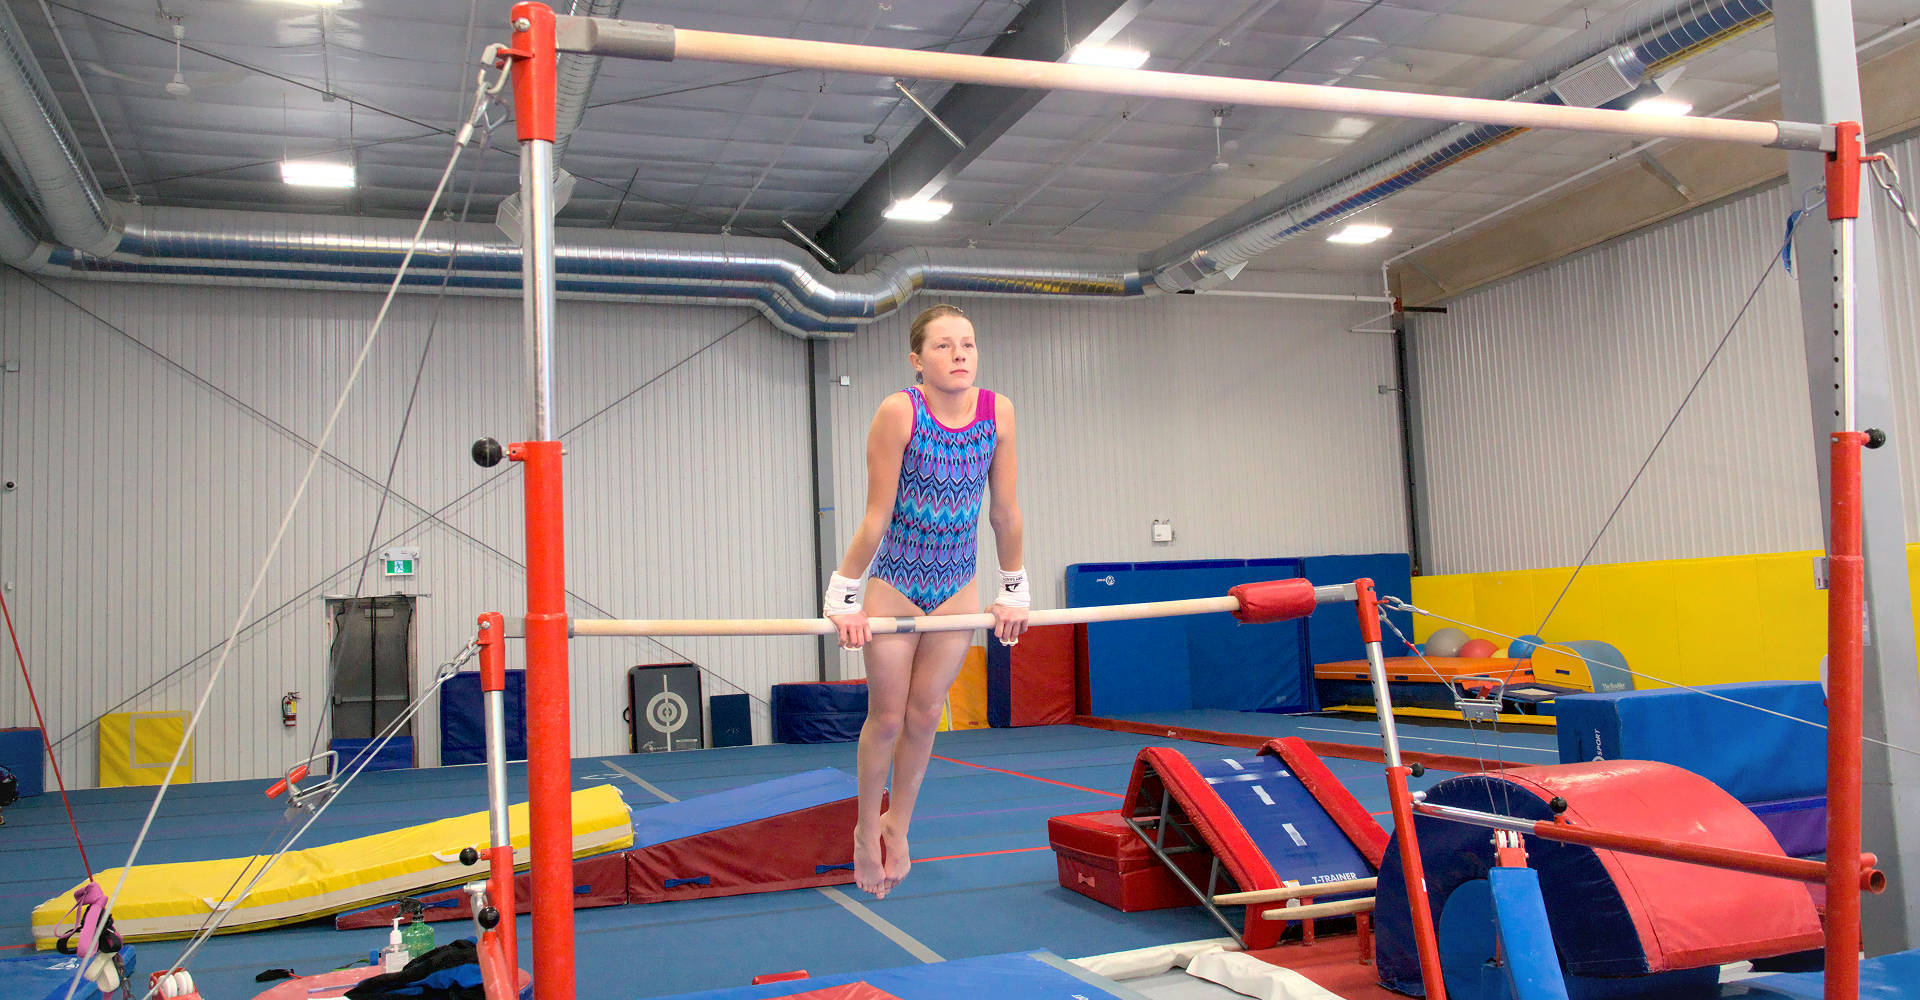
x=948, y=360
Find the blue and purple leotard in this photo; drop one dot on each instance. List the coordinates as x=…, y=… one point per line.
x=928, y=552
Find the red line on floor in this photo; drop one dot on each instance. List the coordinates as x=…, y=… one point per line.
x=1019, y=774
x=982, y=854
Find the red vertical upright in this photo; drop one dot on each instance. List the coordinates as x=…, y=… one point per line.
x=549, y=770
x=493, y=683
x=1846, y=581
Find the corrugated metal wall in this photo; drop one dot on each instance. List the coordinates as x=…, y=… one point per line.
x=1254, y=425
x=155, y=435
x=1541, y=396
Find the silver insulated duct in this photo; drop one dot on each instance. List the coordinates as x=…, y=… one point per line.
x=1653, y=41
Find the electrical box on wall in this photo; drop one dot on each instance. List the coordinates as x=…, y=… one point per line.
x=1162, y=532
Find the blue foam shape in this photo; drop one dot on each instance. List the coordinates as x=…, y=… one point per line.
x=1888, y=977
x=1756, y=757
x=24, y=752
x=1533, y=967
x=1292, y=830
x=735, y=806
x=1037, y=975
x=818, y=712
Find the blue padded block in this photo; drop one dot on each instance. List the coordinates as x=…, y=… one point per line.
x=1333, y=631
x=1291, y=828
x=1235, y=666
x=818, y=712
x=395, y=756
x=1533, y=967
x=463, y=718
x=735, y=806
x=1134, y=666
x=1754, y=756
x=24, y=752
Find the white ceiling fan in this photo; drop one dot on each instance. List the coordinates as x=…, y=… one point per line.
x=177, y=87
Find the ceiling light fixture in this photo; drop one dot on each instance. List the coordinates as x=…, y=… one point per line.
x=1109, y=56
x=919, y=211
x=1359, y=232
x=1660, y=106
x=316, y=173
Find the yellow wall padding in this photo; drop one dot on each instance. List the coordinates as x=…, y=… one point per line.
x=136, y=747
x=172, y=900
x=1688, y=621
x=967, y=699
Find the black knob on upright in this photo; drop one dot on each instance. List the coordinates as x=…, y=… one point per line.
x=487, y=453
x=488, y=918
x=1557, y=804
x=469, y=856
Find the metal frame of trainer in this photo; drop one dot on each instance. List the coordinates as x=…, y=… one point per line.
x=538, y=36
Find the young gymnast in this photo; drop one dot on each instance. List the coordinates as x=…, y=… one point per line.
x=934, y=447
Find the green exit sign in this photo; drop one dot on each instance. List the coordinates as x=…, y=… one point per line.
x=399, y=567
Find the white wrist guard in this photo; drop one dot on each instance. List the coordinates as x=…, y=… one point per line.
x=1013, y=590
x=842, y=597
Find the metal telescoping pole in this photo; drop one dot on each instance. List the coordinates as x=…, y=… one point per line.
x=1367, y=606
x=493, y=685
x=549, y=773
x=1846, y=590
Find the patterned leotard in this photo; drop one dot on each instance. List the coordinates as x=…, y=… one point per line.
x=928, y=552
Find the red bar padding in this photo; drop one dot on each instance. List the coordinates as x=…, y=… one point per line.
x=597, y=881
x=1353, y=819
x=1159, y=767
x=788, y=851
x=1273, y=600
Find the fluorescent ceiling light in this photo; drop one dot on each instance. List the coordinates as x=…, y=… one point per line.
x=1109, y=56
x=1359, y=233
x=1660, y=106
x=316, y=173
x=310, y=3
x=919, y=211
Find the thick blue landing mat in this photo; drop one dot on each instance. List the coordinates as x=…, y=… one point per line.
x=1889, y=977
x=1037, y=975
x=47, y=976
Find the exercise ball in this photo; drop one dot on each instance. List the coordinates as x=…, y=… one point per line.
x=1446, y=642
x=1523, y=647
x=1478, y=649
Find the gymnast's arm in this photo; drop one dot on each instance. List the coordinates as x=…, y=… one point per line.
x=1003, y=513
x=886, y=448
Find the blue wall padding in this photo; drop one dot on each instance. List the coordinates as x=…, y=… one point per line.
x=818, y=712
x=463, y=718
x=736, y=806
x=1021, y=976
x=1533, y=967
x=1196, y=661
x=1291, y=828
x=24, y=752
x=1333, y=632
x=1756, y=757
x=47, y=976
x=1888, y=977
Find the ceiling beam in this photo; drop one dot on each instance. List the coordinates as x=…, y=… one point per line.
x=926, y=160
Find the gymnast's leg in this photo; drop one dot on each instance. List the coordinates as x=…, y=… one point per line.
x=890, y=668
x=936, y=663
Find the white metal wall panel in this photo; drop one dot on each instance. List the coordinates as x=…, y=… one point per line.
x=147, y=497
x=1542, y=395
x=1254, y=425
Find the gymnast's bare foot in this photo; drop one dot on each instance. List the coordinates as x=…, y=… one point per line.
x=897, y=861
x=868, y=873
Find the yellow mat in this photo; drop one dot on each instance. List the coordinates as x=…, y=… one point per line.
x=172, y=900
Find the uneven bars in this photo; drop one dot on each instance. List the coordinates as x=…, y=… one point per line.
x=1274, y=600
x=644, y=40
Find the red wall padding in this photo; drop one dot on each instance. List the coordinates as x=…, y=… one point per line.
x=1034, y=682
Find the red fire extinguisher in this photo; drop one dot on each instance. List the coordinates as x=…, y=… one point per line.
x=290, y=708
